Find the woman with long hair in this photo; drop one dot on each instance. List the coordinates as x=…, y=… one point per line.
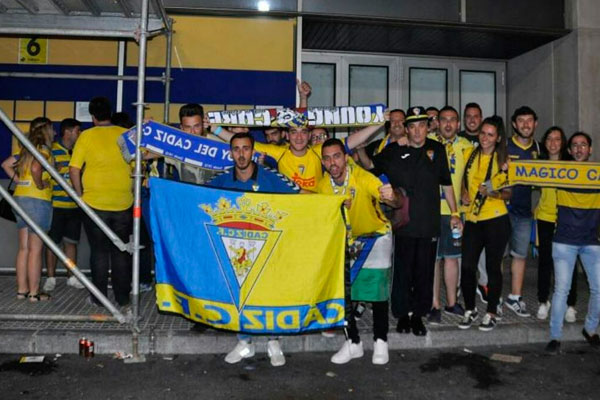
x=554, y=147
x=33, y=193
x=487, y=224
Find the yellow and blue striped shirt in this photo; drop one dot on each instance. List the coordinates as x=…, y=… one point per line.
x=62, y=157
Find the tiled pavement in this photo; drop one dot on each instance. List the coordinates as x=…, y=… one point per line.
x=173, y=335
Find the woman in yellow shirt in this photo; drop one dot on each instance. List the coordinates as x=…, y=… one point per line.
x=33, y=193
x=554, y=148
x=487, y=224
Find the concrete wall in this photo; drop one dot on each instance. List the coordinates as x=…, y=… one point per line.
x=560, y=80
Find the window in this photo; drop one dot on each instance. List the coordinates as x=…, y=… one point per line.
x=428, y=87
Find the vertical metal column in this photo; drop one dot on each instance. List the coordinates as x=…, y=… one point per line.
x=168, y=71
x=137, y=204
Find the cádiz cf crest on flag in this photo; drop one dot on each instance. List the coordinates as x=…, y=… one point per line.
x=248, y=262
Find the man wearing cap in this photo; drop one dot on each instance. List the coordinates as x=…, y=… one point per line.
x=420, y=168
x=298, y=160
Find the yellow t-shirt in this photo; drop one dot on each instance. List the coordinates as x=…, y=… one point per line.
x=306, y=170
x=26, y=186
x=492, y=208
x=365, y=214
x=456, y=163
x=547, y=209
x=106, y=178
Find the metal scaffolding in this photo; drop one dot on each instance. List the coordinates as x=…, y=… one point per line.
x=45, y=17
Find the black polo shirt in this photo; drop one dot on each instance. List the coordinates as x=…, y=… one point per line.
x=419, y=171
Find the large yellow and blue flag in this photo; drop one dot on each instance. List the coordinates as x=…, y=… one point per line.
x=248, y=262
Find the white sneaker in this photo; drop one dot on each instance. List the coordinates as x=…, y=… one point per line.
x=74, y=283
x=242, y=349
x=380, y=352
x=275, y=353
x=571, y=315
x=50, y=284
x=348, y=351
x=543, y=310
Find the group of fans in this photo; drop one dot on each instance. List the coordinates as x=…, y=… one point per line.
x=422, y=193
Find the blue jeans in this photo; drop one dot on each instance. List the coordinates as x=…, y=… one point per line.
x=564, y=256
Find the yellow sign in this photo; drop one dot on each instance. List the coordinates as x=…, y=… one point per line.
x=33, y=50
x=563, y=174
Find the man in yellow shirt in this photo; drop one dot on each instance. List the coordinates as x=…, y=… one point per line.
x=105, y=186
x=370, y=252
x=448, y=250
x=298, y=160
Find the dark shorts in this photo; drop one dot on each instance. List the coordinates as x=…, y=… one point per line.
x=445, y=247
x=66, y=224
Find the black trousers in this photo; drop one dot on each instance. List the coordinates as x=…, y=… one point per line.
x=491, y=235
x=412, y=287
x=546, y=264
x=105, y=255
x=380, y=323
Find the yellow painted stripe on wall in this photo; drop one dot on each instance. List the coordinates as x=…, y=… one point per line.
x=28, y=110
x=155, y=111
x=155, y=55
x=261, y=44
x=8, y=106
x=66, y=52
x=59, y=110
x=9, y=50
x=82, y=52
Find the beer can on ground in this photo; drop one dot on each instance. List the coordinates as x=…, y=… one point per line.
x=89, y=349
x=82, y=342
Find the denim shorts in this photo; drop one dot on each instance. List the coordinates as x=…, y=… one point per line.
x=445, y=247
x=40, y=211
x=520, y=235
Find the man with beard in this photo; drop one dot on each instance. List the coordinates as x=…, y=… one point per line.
x=248, y=176
x=472, y=117
x=369, y=252
x=299, y=161
x=521, y=146
x=420, y=168
x=576, y=236
x=448, y=251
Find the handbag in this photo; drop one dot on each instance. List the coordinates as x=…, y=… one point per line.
x=6, y=210
x=400, y=215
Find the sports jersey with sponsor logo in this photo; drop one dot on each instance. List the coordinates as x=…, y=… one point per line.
x=264, y=180
x=456, y=162
x=25, y=187
x=365, y=214
x=492, y=207
x=520, y=201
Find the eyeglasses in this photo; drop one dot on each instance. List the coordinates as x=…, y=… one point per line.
x=579, y=145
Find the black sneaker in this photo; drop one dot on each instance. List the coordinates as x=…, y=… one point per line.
x=553, y=347
x=468, y=319
x=518, y=307
x=488, y=323
x=418, y=329
x=434, y=317
x=593, y=340
x=456, y=309
x=482, y=292
x=403, y=324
